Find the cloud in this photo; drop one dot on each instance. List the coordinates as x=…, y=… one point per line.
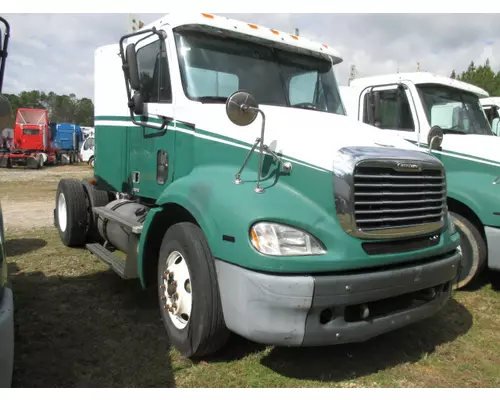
x=59, y=57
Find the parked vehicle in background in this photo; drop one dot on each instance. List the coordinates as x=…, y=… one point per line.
x=6, y=296
x=66, y=140
x=320, y=231
x=37, y=142
x=415, y=106
x=87, y=150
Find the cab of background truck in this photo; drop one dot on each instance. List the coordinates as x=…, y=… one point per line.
x=413, y=106
x=177, y=145
x=31, y=129
x=490, y=107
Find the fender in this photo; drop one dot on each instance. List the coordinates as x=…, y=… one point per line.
x=475, y=189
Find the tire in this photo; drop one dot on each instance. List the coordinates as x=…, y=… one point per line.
x=205, y=331
x=71, y=201
x=39, y=161
x=91, y=162
x=474, y=251
x=95, y=198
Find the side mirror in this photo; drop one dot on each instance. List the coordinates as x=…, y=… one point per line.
x=241, y=108
x=132, y=68
x=137, y=104
x=373, y=109
x=435, y=138
x=5, y=113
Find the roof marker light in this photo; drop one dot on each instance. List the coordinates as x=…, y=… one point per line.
x=253, y=26
x=274, y=31
x=208, y=15
x=295, y=37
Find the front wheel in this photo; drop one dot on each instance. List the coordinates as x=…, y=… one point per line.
x=91, y=162
x=189, y=293
x=473, y=249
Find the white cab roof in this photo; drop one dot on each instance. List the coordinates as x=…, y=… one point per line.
x=247, y=29
x=490, y=101
x=418, y=78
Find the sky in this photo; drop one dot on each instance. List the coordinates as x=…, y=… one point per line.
x=59, y=57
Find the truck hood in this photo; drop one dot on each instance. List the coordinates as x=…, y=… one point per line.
x=305, y=135
x=480, y=146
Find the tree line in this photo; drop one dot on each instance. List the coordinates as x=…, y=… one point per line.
x=61, y=108
x=482, y=76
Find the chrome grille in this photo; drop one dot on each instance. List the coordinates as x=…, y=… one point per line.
x=386, y=198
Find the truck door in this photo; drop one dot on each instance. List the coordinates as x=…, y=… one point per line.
x=397, y=111
x=151, y=150
x=87, y=149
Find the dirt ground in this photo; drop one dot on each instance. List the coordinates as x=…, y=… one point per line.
x=28, y=196
x=78, y=324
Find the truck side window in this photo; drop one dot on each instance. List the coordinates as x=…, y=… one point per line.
x=389, y=118
x=88, y=144
x=154, y=74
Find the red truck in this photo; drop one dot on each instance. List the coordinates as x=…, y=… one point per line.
x=32, y=145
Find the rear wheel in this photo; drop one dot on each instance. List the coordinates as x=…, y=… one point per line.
x=189, y=293
x=71, y=215
x=95, y=198
x=473, y=249
x=91, y=162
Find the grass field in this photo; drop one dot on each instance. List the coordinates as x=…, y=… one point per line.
x=80, y=325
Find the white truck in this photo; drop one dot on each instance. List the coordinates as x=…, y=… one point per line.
x=229, y=175
x=87, y=150
x=491, y=106
x=414, y=106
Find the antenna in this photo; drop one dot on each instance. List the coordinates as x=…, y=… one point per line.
x=353, y=74
x=296, y=31
x=418, y=66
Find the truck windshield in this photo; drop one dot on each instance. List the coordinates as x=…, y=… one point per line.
x=28, y=131
x=213, y=67
x=454, y=110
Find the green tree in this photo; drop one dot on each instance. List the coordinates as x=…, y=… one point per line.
x=482, y=76
x=61, y=108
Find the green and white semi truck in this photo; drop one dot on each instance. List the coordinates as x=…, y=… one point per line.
x=415, y=106
x=229, y=175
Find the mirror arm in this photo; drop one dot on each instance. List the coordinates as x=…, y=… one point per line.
x=237, y=179
x=3, y=50
x=259, y=189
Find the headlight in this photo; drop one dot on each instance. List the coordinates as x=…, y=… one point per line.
x=452, y=229
x=281, y=240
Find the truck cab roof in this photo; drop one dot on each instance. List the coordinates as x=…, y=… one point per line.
x=419, y=78
x=211, y=22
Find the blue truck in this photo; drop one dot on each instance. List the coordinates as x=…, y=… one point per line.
x=66, y=140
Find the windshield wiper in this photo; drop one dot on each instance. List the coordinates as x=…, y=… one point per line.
x=451, y=130
x=211, y=99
